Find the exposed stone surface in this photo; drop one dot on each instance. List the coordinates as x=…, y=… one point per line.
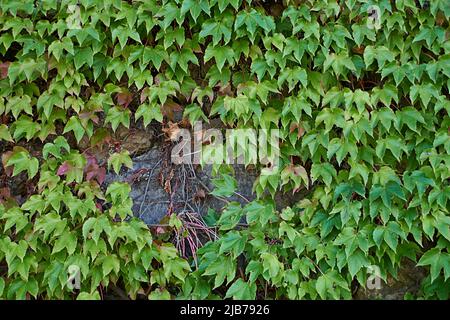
x=159, y=187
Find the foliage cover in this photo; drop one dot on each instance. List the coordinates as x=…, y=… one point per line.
x=364, y=119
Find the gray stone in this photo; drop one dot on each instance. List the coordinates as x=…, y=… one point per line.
x=151, y=202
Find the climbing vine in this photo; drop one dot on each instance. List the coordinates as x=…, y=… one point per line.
x=358, y=89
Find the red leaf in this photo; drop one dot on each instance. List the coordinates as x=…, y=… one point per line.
x=93, y=170
x=63, y=169
x=160, y=230
x=89, y=115
x=101, y=175
x=4, y=69
x=99, y=206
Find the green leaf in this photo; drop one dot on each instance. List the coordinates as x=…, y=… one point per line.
x=84, y=56
x=218, y=29
x=271, y=264
x=324, y=170
x=293, y=76
x=88, y=296
x=149, y=112
x=356, y=262
x=4, y=133
x=220, y=54
x=117, y=116
x=225, y=186
x=110, y=263
x=437, y=261
x=116, y=160
x=241, y=290
x=21, y=161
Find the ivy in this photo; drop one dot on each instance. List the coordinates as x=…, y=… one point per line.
x=363, y=112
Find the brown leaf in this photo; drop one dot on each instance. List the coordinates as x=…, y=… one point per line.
x=170, y=108
x=5, y=193
x=358, y=50
x=167, y=187
x=225, y=90
x=297, y=126
x=143, y=95
x=5, y=158
x=124, y=99
x=200, y=194
x=89, y=115
x=172, y=132
x=100, y=137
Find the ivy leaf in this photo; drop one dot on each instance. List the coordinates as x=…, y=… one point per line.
x=220, y=54
x=159, y=294
x=221, y=268
x=28, y=67
x=117, y=116
x=327, y=284
x=55, y=275
x=51, y=224
x=271, y=264
x=324, y=170
x=410, y=117
x=259, y=211
x=296, y=174
x=193, y=112
x=437, y=260
x=385, y=95
x=68, y=241
x=231, y=216
x=356, y=262
x=241, y=290
x=110, y=263
x=4, y=133
x=84, y=56
x=88, y=296
x=156, y=55
x=425, y=92
x=195, y=7
x=233, y=242
x=218, y=29
x=117, y=159
x=55, y=147
x=21, y=161
x=417, y=179
x=225, y=186
x=239, y=105
x=93, y=227
x=382, y=54
x=293, y=76
x=75, y=125
x=149, y=112
x=182, y=58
